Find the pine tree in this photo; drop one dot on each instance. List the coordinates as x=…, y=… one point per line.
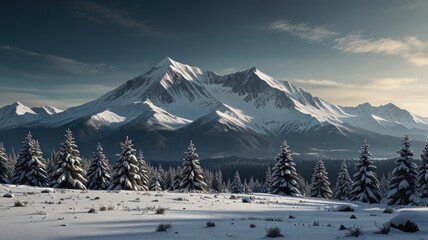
x=257, y=188
x=423, y=175
x=154, y=183
x=126, y=174
x=218, y=181
x=191, y=173
x=30, y=168
x=3, y=165
x=285, y=180
x=142, y=166
x=236, y=186
x=99, y=171
x=343, y=184
x=177, y=179
x=402, y=187
x=268, y=180
x=13, y=159
x=68, y=168
x=50, y=166
x=320, y=186
x=366, y=185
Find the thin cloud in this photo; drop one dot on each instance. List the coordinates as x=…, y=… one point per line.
x=392, y=83
x=414, y=50
x=321, y=83
x=61, y=63
x=302, y=30
x=99, y=13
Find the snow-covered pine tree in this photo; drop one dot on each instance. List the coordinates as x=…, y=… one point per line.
x=402, y=187
x=154, y=183
x=423, y=176
x=99, y=171
x=320, y=186
x=50, y=166
x=268, y=181
x=285, y=180
x=257, y=188
x=30, y=168
x=366, y=185
x=162, y=176
x=177, y=179
x=142, y=166
x=236, y=185
x=191, y=173
x=68, y=167
x=13, y=158
x=343, y=184
x=218, y=181
x=126, y=174
x=3, y=165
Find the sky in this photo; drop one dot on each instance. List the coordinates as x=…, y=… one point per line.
x=65, y=53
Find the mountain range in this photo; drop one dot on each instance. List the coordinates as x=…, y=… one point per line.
x=246, y=113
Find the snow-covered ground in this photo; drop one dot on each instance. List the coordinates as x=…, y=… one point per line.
x=63, y=214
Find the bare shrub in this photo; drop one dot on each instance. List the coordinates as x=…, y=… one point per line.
x=273, y=232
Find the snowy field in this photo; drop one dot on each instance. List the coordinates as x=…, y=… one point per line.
x=63, y=214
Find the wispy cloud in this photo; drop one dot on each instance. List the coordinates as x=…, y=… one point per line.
x=98, y=12
x=411, y=48
x=392, y=83
x=302, y=30
x=320, y=83
x=414, y=50
x=66, y=64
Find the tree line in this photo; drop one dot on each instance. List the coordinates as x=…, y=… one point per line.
x=405, y=184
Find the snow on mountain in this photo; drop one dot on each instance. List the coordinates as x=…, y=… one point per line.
x=385, y=119
x=154, y=117
x=248, y=104
x=16, y=115
x=105, y=119
x=45, y=111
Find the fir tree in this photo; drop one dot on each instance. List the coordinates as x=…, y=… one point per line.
x=126, y=174
x=191, y=173
x=343, y=184
x=285, y=180
x=3, y=165
x=423, y=175
x=268, y=180
x=13, y=158
x=154, y=183
x=142, y=166
x=177, y=179
x=320, y=186
x=30, y=168
x=366, y=185
x=218, y=181
x=50, y=166
x=236, y=185
x=99, y=171
x=68, y=167
x=402, y=187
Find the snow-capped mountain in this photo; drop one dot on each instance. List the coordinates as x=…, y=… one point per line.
x=248, y=110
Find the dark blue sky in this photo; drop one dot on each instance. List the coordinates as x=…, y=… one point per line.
x=64, y=53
